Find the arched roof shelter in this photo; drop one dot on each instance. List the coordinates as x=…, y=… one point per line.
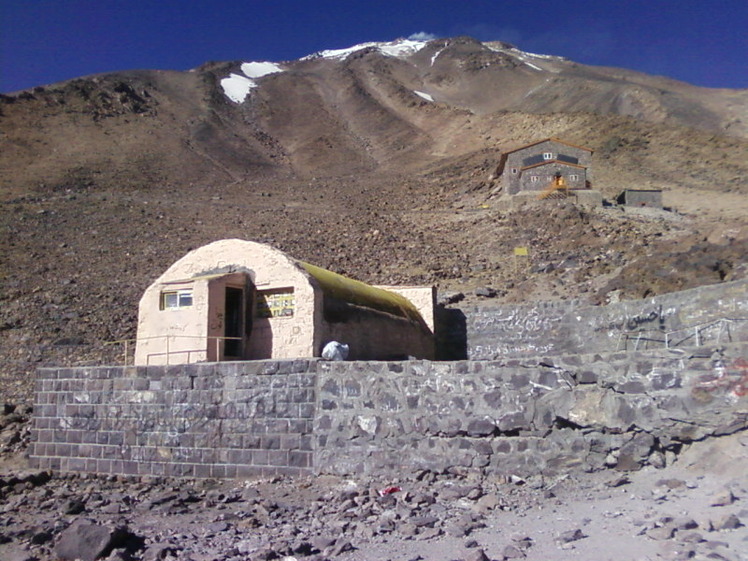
x=242, y=300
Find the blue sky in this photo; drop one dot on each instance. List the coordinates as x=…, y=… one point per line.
x=703, y=42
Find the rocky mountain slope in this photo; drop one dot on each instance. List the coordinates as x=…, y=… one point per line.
x=377, y=162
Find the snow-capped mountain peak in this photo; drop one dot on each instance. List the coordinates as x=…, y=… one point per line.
x=396, y=48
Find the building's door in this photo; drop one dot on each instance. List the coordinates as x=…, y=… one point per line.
x=234, y=323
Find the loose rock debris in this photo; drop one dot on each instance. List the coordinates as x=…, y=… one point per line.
x=447, y=516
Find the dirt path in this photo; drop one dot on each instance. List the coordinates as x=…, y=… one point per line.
x=695, y=508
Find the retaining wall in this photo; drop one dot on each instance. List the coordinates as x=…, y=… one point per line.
x=308, y=416
x=707, y=315
x=526, y=416
x=228, y=419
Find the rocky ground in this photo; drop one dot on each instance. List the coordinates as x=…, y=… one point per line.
x=105, y=181
x=696, y=508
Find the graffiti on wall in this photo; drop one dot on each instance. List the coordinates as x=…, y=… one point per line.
x=730, y=380
x=497, y=351
x=275, y=303
x=654, y=319
x=518, y=323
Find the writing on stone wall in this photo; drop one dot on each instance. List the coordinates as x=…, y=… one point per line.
x=522, y=331
x=498, y=350
x=654, y=319
x=519, y=323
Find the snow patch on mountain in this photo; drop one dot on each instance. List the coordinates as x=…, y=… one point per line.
x=500, y=47
x=536, y=55
x=523, y=56
x=436, y=54
x=237, y=87
x=260, y=69
x=424, y=95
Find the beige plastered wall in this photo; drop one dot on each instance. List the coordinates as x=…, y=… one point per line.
x=269, y=269
x=172, y=336
x=422, y=297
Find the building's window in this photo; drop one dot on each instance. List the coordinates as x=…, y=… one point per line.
x=565, y=158
x=534, y=178
x=275, y=303
x=547, y=155
x=514, y=171
x=573, y=177
x=175, y=299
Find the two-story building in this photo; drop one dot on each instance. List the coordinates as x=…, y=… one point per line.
x=539, y=166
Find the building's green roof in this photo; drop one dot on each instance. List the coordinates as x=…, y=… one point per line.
x=362, y=294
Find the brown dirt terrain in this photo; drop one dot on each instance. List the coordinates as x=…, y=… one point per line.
x=106, y=180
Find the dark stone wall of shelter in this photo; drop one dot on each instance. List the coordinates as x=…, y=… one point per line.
x=450, y=334
x=524, y=417
x=375, y=335
x=712, y=315
x=511, y=417
x=230, y=419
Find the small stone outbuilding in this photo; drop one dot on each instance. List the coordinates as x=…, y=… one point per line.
x=242, y=300
x=649, y=198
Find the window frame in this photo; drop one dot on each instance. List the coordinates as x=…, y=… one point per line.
x=184, y=298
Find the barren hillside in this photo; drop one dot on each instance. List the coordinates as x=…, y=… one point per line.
x=375, y=162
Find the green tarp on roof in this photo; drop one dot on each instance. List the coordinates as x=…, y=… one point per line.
x=362, y=294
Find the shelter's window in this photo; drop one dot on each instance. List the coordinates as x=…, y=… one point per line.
x=175, y=299
x=547, y=155
x=275, y=303
x=534, y=178
x=514, y=170
x=573, y=177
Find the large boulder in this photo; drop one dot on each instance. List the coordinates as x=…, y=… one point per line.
x=86, y=540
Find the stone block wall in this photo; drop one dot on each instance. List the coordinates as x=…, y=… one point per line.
x=200, y=420
x=514, y=416
x=641, y=198
x=584, y=402
x=708, y=315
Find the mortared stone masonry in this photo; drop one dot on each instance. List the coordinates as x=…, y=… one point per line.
x=581, y=404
